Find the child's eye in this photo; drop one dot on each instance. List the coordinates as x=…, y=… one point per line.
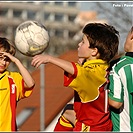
x=7, y=59
x=1, y=58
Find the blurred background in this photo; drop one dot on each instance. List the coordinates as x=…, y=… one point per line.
x=64, y=21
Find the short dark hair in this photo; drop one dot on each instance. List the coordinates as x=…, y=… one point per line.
x=103, y=37
x=7, y=46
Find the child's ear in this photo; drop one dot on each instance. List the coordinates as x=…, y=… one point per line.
x=94, y=51
x=132, y=36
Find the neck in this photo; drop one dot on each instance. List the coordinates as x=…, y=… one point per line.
x=2, y=72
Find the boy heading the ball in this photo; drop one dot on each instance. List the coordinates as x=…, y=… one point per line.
x=13, y=85
x=98, y=46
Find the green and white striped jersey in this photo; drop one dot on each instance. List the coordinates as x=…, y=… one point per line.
x=121, y=90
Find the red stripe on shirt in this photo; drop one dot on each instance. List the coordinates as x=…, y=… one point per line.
x=69, y=78
x=13, y=103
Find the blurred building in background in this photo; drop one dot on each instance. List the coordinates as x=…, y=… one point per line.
x=64, y=21
x=57, y=17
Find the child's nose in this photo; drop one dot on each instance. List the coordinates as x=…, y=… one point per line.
x=3, y=61
x=79, y=44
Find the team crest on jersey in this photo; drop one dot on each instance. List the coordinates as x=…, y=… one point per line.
x=13, y=88
x=85, y=128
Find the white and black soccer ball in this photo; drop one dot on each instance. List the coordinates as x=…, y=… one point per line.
x=31, y=38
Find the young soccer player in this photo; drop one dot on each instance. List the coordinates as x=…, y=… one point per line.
x=98, y=46
x=67, y=119
x=121, y=89
x=13, y=85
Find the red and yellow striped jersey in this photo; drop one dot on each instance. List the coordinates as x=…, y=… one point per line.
x=11, y=91
x=90, y=103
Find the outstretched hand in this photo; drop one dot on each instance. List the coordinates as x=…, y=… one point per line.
x=39, y=59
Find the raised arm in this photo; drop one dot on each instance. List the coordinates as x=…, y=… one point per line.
x=28, y=80
x=43, y=59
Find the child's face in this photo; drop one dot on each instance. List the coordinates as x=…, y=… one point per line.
x=4, y=62
x=83, y=50
x=128, y=46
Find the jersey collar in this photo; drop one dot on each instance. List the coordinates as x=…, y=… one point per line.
x=96, y=61
x=2, y=75
x=129, y=54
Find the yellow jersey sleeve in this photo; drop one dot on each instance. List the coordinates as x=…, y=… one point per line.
x=87, y=79
x=19, y=82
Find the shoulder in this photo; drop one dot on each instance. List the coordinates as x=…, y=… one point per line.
x=16, y=75
x=121, y=63
x=124, y=61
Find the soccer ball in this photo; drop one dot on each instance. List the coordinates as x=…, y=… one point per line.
x=31, y=38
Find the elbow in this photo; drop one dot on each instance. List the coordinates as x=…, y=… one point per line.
x=114, y=104
x=30, y=84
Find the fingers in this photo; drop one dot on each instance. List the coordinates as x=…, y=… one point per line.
x=36, y=61
x=3, y=54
